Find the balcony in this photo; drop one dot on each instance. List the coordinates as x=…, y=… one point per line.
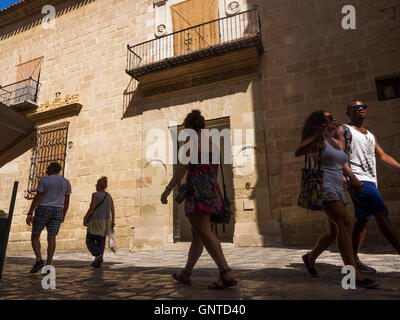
x=216, y=47
x=21, y=95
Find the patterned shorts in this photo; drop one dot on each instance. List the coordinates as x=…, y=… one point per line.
x=49, y=217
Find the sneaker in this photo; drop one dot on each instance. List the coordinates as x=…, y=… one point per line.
x=367, y=284
x=37, y=266
x=363, y=267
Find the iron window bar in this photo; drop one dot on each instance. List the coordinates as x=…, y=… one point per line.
x=51, y=147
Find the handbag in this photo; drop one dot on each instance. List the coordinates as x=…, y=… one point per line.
x=226, y=215
x=312, y=193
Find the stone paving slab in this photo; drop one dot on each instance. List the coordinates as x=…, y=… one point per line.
x=264, y=273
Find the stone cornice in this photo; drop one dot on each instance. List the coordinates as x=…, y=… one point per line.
x=24, y=9
x=58, y=108
x=53, y=114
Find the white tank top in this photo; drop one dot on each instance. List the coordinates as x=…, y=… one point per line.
x=362, y=155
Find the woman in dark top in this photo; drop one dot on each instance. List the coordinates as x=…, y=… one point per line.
x=204, y=200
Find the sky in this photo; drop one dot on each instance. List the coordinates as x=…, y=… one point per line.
x=7, y=3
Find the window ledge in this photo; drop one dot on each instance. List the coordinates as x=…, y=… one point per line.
x=56, y=113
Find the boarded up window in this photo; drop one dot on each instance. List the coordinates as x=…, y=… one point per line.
x=51, y=147
x=188, y=14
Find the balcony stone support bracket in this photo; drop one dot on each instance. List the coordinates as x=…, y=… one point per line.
x=160, y=17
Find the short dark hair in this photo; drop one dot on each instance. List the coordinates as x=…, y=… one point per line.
x=194, y=120
x=55, y=166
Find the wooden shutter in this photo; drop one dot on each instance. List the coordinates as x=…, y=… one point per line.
x=26, y=89
x=191, y=13
x=29, y=69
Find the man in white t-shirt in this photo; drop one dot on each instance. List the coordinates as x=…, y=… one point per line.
x=51, y=203
x=362, y=149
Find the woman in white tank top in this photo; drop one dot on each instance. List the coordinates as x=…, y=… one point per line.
x=317, y=133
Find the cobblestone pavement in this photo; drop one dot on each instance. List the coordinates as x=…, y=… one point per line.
x=264, y=273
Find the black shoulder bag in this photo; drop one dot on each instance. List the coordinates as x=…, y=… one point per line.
x=226, y=215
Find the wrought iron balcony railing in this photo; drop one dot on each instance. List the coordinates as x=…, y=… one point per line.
x=19, y=92
x=239, y=31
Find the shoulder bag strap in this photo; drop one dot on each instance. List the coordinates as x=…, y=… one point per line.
x=101, y=202
x=222, y=173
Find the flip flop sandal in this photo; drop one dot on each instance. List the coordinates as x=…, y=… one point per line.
x=226, y=284
x=310, y=270
x=178, y=277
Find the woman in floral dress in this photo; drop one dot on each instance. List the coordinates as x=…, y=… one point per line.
x=204, y=199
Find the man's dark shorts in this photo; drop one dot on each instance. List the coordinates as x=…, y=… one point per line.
x=49, y=217
x=367, y=202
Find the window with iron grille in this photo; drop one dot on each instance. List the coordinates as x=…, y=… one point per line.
x=51, y=147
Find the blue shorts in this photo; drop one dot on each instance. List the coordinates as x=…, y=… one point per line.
x=368, y=201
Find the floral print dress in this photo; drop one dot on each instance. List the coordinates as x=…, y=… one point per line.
x=206, y=197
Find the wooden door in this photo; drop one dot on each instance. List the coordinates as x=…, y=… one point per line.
x=191, y=13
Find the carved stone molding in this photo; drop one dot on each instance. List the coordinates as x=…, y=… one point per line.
x=159, y=3
x=57, y=109
x=160, y=23
x=161, y=30
x=232, y=7
x=58, y=102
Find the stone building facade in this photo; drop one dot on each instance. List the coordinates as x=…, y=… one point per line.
x=261, y=83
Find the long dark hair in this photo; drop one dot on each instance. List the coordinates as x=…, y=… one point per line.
x=317, y=118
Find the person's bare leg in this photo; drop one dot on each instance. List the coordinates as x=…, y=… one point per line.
x=359, y=232
x=387, y=230
x=195, y=251
x=202, y=226
x=36, y=247
x=338, y=215
x=51, y=247
x=323, y=243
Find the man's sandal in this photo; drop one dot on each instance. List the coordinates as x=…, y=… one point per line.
x=179, y=277
x=226, y=283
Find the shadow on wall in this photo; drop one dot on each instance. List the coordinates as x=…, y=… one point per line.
x=34, y=20
x=137, y=99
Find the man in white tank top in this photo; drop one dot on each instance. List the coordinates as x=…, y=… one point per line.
x=362, y=149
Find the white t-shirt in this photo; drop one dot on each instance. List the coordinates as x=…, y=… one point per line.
x=54, y=188
x=362, y=156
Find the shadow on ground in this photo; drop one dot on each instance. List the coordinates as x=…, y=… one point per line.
x=77, y=280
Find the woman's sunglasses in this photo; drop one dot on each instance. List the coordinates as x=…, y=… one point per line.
x=358, y=106
x=330, y=117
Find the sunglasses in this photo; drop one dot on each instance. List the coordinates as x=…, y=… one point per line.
x=330, y=117
x=358, y=106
